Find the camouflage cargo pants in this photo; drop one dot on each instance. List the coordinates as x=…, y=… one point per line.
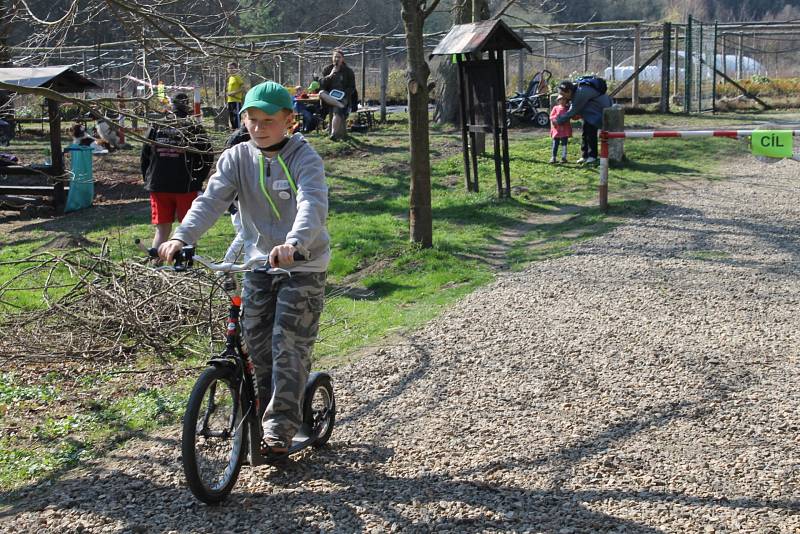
x=280, y=324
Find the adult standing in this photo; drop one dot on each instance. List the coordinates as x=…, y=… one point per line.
x=339, y=76
x=589, y=103
x=172, y=174
x=234, y=94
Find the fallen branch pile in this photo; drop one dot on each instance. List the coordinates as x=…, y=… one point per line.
x=96, y=307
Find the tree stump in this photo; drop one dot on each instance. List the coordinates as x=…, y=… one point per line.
x=614, y=121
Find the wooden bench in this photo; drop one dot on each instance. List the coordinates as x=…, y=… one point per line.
x=57, y=190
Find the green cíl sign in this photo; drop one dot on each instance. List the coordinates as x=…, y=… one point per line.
x=772, y=143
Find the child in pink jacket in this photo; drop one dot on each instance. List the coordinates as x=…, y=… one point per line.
x=560, y=132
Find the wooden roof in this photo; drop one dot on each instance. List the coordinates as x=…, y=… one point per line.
x=479, y=37
x=62, y=79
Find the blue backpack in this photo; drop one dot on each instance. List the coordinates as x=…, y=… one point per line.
x=596, y=83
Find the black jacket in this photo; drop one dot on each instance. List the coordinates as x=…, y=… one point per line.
x=171, y=169
x=344, y=80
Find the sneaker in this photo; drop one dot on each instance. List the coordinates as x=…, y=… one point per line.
x=581, y=160
x=552, y=160
x=589, y=160
x=563, y=160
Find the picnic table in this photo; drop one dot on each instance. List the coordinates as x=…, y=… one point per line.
x=308, y=99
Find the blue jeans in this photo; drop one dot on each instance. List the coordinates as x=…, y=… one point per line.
x=563, y=141
x=233, y=114
x=308, y=116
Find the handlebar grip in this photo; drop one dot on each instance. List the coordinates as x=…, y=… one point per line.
x=296, y=257
x=186, y=255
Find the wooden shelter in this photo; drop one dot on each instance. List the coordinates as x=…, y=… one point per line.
x=63, y=80
x=477, y=48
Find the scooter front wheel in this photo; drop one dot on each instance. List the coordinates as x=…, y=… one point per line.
x=213, y=440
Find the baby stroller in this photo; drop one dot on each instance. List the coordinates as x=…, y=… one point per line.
x=532, y=106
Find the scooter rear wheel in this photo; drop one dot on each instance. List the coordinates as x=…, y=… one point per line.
x=319, y=408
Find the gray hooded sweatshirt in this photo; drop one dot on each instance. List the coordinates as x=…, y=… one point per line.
x=275, y=208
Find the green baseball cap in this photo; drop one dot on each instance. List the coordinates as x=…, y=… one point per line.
x=269, y=97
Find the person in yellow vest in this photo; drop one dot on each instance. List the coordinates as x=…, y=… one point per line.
x=234, y=94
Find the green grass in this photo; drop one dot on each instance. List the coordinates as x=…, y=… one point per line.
x=384, y=284
x=40, y=447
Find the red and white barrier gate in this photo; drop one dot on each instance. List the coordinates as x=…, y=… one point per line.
x=605, y=136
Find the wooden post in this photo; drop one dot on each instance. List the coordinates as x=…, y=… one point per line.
x=614, y=121
x=477, y=140
x=724, y=56
x=586, y=55
x=602, y=188
x=714, y=71
x=777, y=72
x=501, y=109
x=739, y=57
x=300, y=68
x=56, y=156
x=544, y=45
x=465, y=134
x=505, y=69
x=613, y=64
x=521, y=70
x=677, y=60
x=666, y=47
x=496, y=57
x=384, y=78
x=637, y=49
x=700, y=68
x=363, y=93
x=687, y=66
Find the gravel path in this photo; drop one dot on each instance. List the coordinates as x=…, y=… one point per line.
x=647, y=383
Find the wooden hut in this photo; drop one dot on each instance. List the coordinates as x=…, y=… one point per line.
x=61, y=79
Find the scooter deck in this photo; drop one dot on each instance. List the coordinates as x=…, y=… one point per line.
x=301, y=440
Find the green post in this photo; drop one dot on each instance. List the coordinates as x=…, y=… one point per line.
x=700, y=69
x=714, y=71
x=687, y=69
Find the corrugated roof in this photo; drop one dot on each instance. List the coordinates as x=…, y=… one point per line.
x=479, y=37
x=62, y=79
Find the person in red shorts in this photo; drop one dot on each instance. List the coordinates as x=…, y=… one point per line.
x=173, y=174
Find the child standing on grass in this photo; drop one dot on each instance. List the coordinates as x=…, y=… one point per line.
x=283, y=205
x=560, y=132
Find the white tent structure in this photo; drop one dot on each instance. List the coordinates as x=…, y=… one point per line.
x=652, y=73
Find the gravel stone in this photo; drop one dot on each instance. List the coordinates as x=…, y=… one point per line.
x=646, y=383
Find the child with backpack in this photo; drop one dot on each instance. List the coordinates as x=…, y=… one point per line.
x=560, y=133
x=588, y=99
x=173, y=175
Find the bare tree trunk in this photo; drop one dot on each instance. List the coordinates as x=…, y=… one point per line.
x=7, y=8
x=447, y=73
x=480, y=10
x=420, y=215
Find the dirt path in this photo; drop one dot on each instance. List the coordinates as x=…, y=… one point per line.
x=645, y=383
